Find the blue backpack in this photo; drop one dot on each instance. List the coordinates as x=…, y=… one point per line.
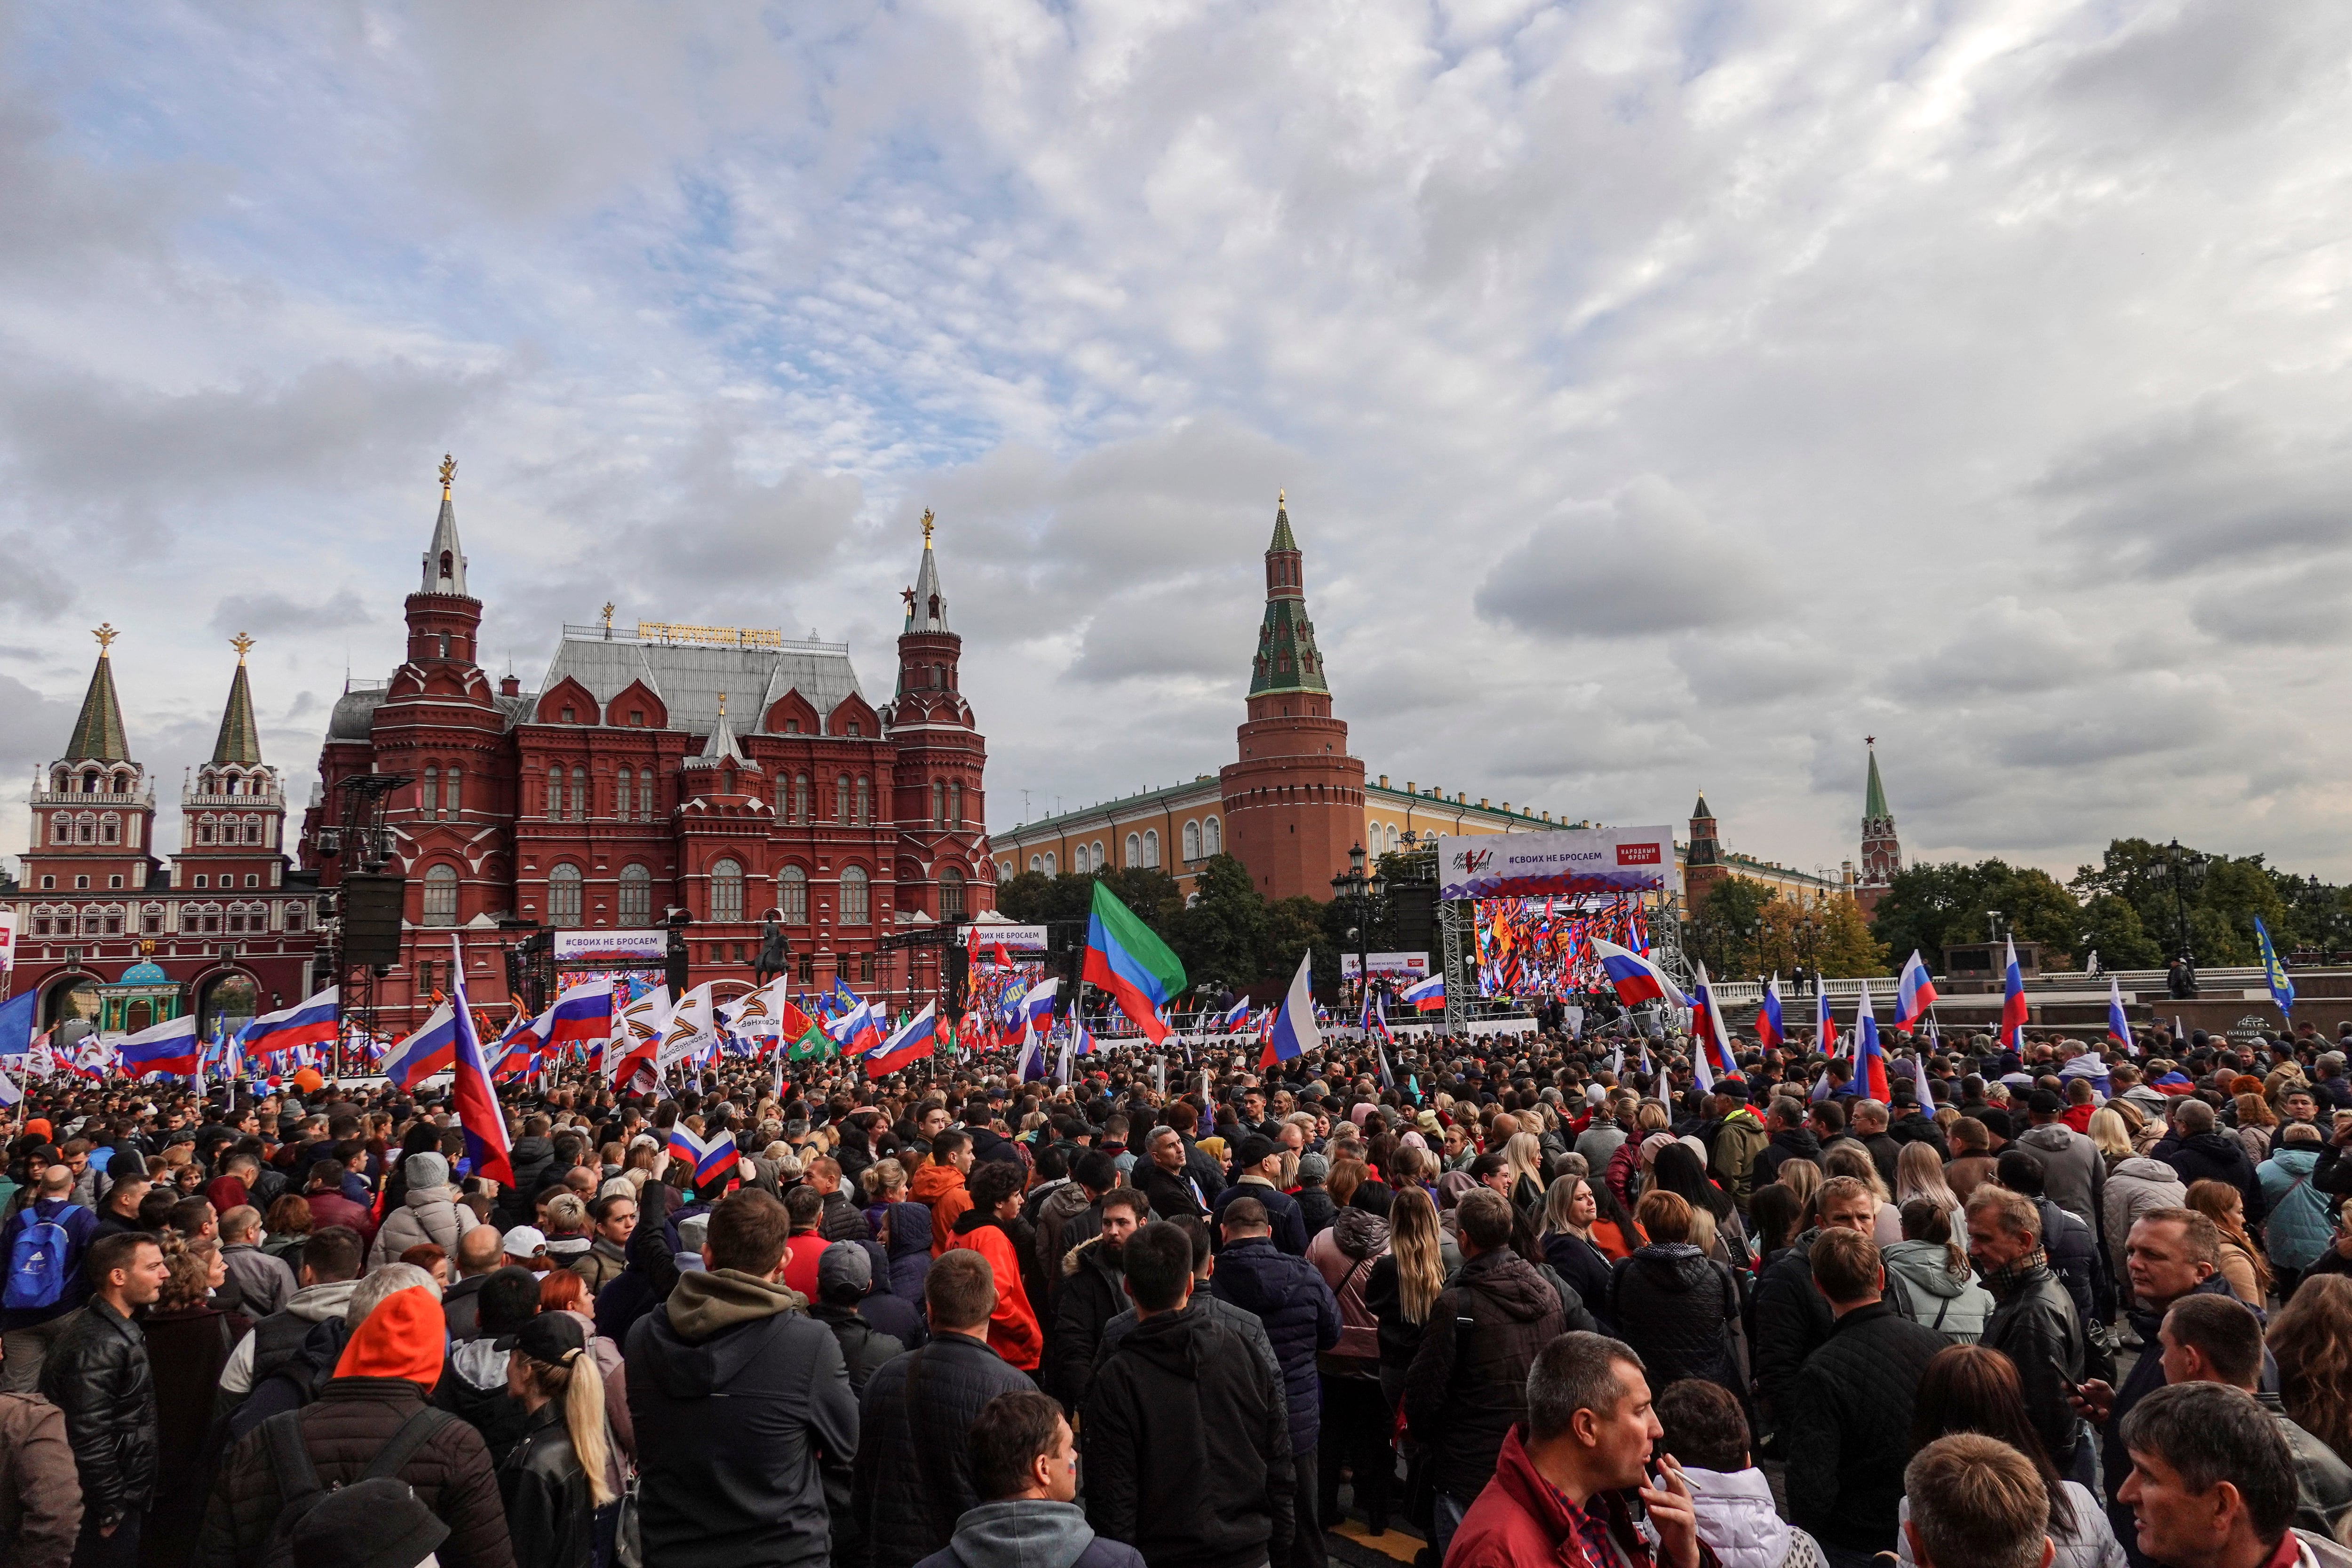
x=40, y=1262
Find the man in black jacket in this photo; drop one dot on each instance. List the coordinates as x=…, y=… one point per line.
x=1092, y=1292
x=98, y=1373
x=1850, y=1429
x=1302, y=1319
x=2034, y=1321
x=739, y=1398
x=1467, y=1385
x=912, y=1479
x=1789, y=1140
x=1792, y=1321
x=1188, y=1448
x=1162, y=1175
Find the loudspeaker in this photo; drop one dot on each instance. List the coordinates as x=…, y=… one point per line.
x=959, y=978
x=674, y=971
x=1413, y=913
x=371, y=910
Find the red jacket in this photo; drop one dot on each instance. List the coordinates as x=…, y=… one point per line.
x=1520, y=1522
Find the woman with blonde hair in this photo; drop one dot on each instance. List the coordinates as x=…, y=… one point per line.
x=555, y=1477
x=2242, y=1264
x=1402, y=1289
x=1803, y=1178
x=2110, y=1134
x=1523, y=1158
x=1919, y=1173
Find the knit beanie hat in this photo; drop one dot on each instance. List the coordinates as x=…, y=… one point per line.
x=426, y=1170
x=402, y=1338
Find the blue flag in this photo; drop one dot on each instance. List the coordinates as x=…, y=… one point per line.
x=2282, y=988
x=16, y=1017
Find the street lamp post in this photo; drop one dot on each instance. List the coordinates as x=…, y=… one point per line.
x=2181, y=859
x=1360, y=890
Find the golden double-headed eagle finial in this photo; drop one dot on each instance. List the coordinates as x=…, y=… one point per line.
x=449, y=474
x=927, y=525
x=243, y=644
x=105, y=634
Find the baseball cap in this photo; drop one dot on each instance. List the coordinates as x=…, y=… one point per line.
x=551, y=1337
x=523, y=1241
x=844, y=1266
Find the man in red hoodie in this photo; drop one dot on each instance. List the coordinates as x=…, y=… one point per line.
x=1564, y=1482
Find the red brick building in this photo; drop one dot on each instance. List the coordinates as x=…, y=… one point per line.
x=734, y=774
x=113, y=939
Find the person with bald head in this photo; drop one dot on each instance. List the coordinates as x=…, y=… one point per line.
x=480, y=1251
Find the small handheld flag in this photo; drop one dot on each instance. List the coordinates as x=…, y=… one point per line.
x=708, y=1156
x=2118, y=1026
x=1426, y=995
x=476, y=1102
x=910, y=1042
x=1707, y=1029
x=432, y=1049
x=2274, y=971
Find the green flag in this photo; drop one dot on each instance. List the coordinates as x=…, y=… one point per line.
x=1126, y=958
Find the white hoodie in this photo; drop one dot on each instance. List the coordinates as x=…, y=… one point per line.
x=1740, y=1525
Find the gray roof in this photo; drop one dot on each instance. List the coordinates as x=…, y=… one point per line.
x=445, y=543
x=927, y=609
x=353, y=718
x=690, y=678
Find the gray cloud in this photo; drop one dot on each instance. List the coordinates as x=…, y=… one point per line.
x=1646, y=561
x=265, y=615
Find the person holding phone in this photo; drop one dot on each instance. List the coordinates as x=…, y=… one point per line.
x=1574, y=1483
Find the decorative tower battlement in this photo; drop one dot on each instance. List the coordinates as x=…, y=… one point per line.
x=93, y=812
x=1295, y=801
x=233, y=808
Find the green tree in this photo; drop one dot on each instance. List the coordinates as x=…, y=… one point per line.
x=1294, y=926
x=1929, y=907
x=2112, y=929
x=1726, y=930
x=1221, y=936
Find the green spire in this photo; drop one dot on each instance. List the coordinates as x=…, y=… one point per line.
x=1699, y=813
x=240, y=737
x=97, y=734
x=1287, y=658
x=1873, y=802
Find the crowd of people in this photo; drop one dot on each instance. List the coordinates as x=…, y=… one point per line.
x=1512, y=1298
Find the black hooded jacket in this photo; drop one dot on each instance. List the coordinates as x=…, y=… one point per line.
x=1468, y=1382
x=1188, y=1449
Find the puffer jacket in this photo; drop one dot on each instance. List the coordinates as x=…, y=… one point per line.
x=2134, y=1187
x=1316, y=1207
x=1676, y=1306
x=1849, y=1435
x=909, y=1249
x=1467, y=1387
x=427, y=1215
x=1792, y=1320
x=941, y=1189
x=549, y=1509
x=2299, y=1228
x=1954, y=1306
x=2035, y=1325
x=1740, y=1524
x=1344, y=1254
x=2074, y=1255
x=1091, y=1294
x=99, y=1374
x=1014, y=1330
x=343, y=1430
x=1301, y=1318
x=2219, y=1157
x=900, y=1517
x=2073, y=1175
x=1061, y=1206
x=1738, y=1142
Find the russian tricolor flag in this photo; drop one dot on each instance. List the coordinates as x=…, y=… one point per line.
x=637, y=1033
x=516, y=1052
x=912, y=1041
x=1768, y=1016
x=1037, y=1009
x=1637, y=979
x=1294, y=1032
x=2118, y=1026
x=1914, y=992
x=311, y=1023
x=1236, y=1017
x=170, y=1047
x=1869, y=1060
x=708, y=1156
x=1707, y=1025
x=1426, y=995
x=431, y=1050
x=2013, y=1004
x=476, y=1102
x=581, y=1016
x=1825, y=1029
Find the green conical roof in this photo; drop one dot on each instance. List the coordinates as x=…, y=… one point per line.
x=240, y=737
x=1282, y=535
x=1699, y=813
x=97, y=734
x=1873, y=802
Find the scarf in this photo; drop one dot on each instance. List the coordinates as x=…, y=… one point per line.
x=2006, y=1282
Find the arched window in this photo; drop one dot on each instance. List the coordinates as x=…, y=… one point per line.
x=441, y=896
x=253, y=829
x=1050, y=870
x=554, y=794
x=644, y=795
x=1135, y=849
x=89, y=781
x=86, y=830
x=1151, y=846
x=110, y=829
x=802, y=809
x=1213, y=837
x=784, y=798
x=939, y=804
x=579, y=793
x=620, y=794
x=1392, y=838
x=855, y=892
x=841, y=798
x=426, y=796
x=955, y=805
x=564, y=895
x=1036, y=862
x=725, y=890
x=1191, y=841
x=449, y=793
x=1078, y=858
x=864, y=800
x=950, y=896
x=636, y=896
x=792, y=895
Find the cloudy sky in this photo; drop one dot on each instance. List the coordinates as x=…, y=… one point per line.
x=1668, y=394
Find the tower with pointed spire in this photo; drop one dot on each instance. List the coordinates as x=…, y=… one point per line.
x=233, y=810
x=93, y=812
x=1703, y=863
x=937, y=781
x=1882, y=852
x=1294, y=800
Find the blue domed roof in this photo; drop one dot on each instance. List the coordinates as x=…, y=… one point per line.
x=145, y=972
